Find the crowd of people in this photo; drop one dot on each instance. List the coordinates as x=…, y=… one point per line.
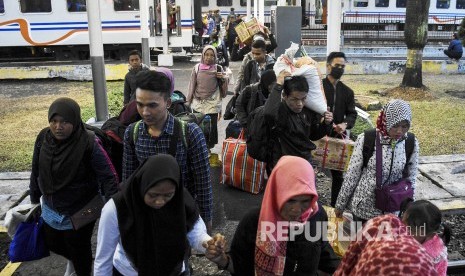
x=161, y=205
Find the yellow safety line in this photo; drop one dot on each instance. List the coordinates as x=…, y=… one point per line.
x=3, y=228
x=9, y=269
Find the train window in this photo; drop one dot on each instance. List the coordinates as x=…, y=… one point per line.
x=205, y=3
x=224, y=3
x=28, y=6
x=2, y=7
x=381, y=3
x=460, y=4
x=401, y=3
x=244, y=3
x=270, y=3
x=361, y=3
x=126, y=5
x=442, y=4
x=76, y=5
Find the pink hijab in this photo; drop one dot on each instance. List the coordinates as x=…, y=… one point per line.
x=292, y=176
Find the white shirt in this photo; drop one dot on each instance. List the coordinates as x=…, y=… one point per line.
x=110, y=251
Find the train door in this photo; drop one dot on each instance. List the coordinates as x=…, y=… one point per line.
x=321, y=12
x=179, y=16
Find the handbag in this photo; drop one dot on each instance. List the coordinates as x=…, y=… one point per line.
x=239, y=169
x=230, y=111
x=87, y=214
x=389, y=197
x=18, y=214
x=28, y=243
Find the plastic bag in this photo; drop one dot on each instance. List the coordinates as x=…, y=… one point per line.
x=315, y=100
x=339, y=247
x=19, y=214
x=28, y=243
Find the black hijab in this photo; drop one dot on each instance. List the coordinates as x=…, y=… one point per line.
x=155, y=240
x=59, y=161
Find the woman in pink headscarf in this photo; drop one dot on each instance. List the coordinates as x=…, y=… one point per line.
x=270, y=240
x=207, y=88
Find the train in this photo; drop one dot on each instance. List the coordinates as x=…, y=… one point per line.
x=444, y=15
x=58, y=28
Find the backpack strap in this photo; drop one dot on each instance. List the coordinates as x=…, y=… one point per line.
x=183, y=130
x=369, y=145
x=135, y=132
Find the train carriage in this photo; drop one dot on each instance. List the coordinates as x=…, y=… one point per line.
x=59, y=27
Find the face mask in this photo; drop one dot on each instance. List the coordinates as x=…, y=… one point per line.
x=336, y=72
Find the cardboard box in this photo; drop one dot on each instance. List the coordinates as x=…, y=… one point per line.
x=254, y=26
x=333, y=153
x=243, y=33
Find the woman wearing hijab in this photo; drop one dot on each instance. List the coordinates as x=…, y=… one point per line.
x=385, y=248
x=358, y=189
x=207, y=88
x=262, y=243
x=68, y=166
x=146, y=229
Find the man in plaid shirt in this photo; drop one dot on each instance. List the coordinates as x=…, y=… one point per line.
x=154, y=134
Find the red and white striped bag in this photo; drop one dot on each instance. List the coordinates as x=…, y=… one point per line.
x=239, y=169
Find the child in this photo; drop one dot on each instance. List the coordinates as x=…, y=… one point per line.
x=424, y=220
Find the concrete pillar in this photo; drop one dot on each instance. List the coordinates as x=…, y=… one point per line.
x=261, y=11
x=333, y=37
x=255, y=8
x=96, y=59
x=164, y=59
x=144, y=29
x=249, y=10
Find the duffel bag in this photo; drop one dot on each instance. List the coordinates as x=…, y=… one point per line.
x=239, y=169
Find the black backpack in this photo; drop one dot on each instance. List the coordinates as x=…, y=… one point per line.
x=114, y=130
x=369, y=145
x=178, y=103
x=259, y=135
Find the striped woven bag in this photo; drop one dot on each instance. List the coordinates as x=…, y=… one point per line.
x=239, y=169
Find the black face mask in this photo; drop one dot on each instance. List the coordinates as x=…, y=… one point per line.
x=336, y=72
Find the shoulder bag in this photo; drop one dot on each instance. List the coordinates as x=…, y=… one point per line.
x=389, y=197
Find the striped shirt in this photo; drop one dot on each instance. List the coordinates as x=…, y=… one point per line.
x=193, y=160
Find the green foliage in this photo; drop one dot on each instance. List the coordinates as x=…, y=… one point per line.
x=115, y=101
x=461, y=31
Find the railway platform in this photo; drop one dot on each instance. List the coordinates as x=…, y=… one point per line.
x=361, y=61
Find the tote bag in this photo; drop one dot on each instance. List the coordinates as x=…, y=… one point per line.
x=239, y=169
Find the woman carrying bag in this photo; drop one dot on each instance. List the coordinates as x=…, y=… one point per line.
x=360, y=181
x=68, y=168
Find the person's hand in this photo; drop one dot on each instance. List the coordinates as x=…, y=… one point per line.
x=338, y=213
x=283, y=74
x=328, y=117
x=340, y=128
x=266, y=30
x=220, y=75
x=236, y=41
x=215, y=249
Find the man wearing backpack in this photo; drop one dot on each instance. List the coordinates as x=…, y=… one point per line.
x=159, y=132
x=293, y=125
x=341, y=103
x=253, y=96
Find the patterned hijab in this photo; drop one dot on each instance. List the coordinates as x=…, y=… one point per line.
x=390, y=251
x=394, y=112
x=292, y=176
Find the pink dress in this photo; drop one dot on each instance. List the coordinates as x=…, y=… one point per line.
x=438, y=251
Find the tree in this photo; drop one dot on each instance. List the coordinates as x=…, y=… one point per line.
x=416, y=35
x=461, y=31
